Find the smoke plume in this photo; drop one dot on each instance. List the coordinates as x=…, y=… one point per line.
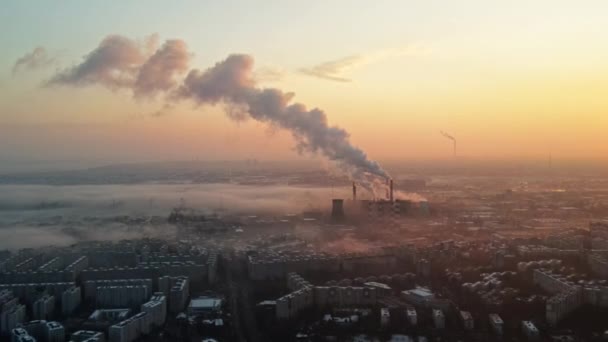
x=448, y=136
x=231, y=82
x=120, y=62
x=38, y=58
x=114, y=64
x=160, y=71
x=451, y=138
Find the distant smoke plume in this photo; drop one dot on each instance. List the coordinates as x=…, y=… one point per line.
x=38, y=58
x=451, y=138
x=231, y=82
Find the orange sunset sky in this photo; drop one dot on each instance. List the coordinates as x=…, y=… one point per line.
x=517, y=79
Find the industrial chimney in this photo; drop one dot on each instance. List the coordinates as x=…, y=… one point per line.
x=390, y=189
x=354, y=191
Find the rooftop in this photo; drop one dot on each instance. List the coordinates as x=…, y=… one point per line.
x=205, y=303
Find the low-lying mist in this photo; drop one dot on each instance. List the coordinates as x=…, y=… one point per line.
x=42, y=215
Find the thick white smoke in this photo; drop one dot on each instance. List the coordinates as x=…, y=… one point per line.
x=231, y=81
x=119, y=62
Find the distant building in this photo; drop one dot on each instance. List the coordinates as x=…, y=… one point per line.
x=156, y=307
x=438, y=319
x=19, y=335
x=44, y=331
x=420, y=296
x=121, y=296
x=88, y=336
x=423, y=267
x=467, y=320
x=205, y=306
x=44, y=307
x=496, y=323
x=385, y=317
x=12, y=317
x=130, y=329
x=55, y=332
x=177, y=290
x=530, y=331
x=412, y=316
x=70, y=300
x=381, y=289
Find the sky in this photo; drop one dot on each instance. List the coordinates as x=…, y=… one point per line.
x=508, y=79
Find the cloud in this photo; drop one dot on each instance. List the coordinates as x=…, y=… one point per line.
x=37, y=58
x=115, y=63
x=335, y=70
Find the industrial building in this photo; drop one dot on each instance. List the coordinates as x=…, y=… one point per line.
x=386, y=210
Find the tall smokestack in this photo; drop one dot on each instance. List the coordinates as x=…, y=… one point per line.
x=391, y=190
x=448, y=136
x=354, y=191
x=388, y=188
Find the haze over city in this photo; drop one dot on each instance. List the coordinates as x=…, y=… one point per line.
x=303, y=171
